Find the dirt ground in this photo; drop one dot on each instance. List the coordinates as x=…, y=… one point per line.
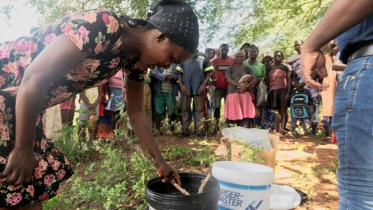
x=306, y=164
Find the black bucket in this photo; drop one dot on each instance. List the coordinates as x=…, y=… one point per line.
x=164, y=196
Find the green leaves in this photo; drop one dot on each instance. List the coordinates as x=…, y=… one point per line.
x=270, y=24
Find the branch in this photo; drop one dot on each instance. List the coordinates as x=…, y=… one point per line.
x=182, y=190
x=203, y=183
x=287, y=20
x=85, y=3
x=306, y=3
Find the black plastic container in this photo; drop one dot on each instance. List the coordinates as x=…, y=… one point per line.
x=164, y=196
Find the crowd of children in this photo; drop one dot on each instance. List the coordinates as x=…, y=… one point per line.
x=254, y=91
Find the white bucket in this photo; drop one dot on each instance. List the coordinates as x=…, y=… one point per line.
x=243, y=185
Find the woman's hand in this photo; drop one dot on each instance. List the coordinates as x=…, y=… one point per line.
x=286, y=97
x=19, y=167
x=165, y=170
x=241, y=88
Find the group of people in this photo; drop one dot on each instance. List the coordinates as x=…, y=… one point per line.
x=207, y=79
x=99, y=110
x=211, y=77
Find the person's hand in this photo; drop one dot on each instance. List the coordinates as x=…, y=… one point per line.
x=165, y=170
x=286, y=98
x=300, y=86
x=92, y=108
x=19, y=167
x=242, y=87
x=184, y=90
x=313, y=61
x=170, y=77
x=202, y=89
x=106, y=98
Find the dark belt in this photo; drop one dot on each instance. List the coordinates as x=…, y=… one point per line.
x=361, y=52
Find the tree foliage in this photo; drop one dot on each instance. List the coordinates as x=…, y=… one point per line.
x=270, y=24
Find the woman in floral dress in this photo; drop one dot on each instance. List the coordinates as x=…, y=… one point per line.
x=64, y=58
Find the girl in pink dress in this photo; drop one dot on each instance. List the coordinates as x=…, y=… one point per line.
x=279, y=89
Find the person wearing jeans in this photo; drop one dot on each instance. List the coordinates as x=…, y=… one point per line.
x=353, y=107
x=193, y=77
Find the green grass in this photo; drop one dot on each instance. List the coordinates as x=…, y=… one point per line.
x=113, y=175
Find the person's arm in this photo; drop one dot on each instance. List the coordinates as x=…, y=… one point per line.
x=341, y=15
x=50, y=65
x=105, y=88
x=253, y=81
x=298, y=85
x=183, y=89
x=141, y=126
x=84, y=98
x=98, y=99
x=157, y=74
x=207, y=69
x=264, y=71
x=268, y=77
x=288, y=82
x=231, y=81
x=174, y=72
x=202, y=87
x=213, y=73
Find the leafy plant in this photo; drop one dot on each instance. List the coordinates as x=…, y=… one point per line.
x=251, y=154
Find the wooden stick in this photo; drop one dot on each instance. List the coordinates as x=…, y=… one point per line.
x=182, y=190
x=203, y=183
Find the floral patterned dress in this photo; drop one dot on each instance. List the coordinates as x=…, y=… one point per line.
x=97, y=33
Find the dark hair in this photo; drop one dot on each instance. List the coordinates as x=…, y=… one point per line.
x=278, y=51
x=267, y=57
x=209, y=49
x=245, y=44
x=223, y=45
x=253, y=47
x=181, y=26
x=136, y=23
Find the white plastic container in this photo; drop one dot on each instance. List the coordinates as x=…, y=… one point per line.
x=245, y=186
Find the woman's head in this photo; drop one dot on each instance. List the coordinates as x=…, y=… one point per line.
x=267, y=61
x=245, y=47
x=172, y=33
x=210, y=53
x=239, y=57
x=297, y=45
x=278, y=57
x=253, y=52
x=217, y=53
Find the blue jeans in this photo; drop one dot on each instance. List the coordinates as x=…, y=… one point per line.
x=353, y=125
